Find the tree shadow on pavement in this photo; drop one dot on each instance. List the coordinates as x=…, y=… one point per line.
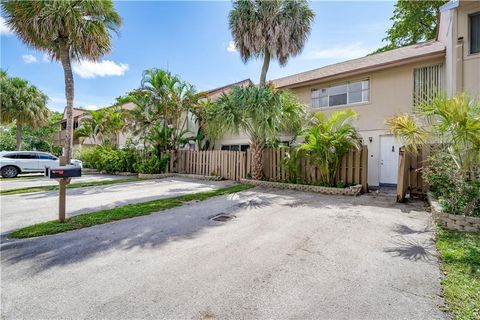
x=412, y=249
x=183, y=223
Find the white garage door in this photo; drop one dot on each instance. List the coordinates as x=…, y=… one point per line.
x=388, y=160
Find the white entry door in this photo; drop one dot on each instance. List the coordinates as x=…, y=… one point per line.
x=388, y=160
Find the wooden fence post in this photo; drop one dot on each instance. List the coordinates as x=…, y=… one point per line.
x=364, y=175
x=403, y=175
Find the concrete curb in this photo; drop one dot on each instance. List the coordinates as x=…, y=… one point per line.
x=452, y=221
x=170, y=175
x=350, y=191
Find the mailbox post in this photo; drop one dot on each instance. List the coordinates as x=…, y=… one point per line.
x=63, y=175
x=62, y=192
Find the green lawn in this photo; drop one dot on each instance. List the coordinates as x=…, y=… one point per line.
x=70, y=186
x=119, y=213
x=460, y=257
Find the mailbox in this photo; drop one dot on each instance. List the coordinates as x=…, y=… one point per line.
x=68, y=171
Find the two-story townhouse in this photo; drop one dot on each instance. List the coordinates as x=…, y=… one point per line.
x=383, y=85
x=377, y=87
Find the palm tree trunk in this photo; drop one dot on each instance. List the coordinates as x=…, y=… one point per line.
x=19, y=136
x=257, y=161
x=69, y=94
x=266, y=64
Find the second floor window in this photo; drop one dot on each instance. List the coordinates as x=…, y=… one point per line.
x=475, y=33
x=341, y=94
x=427, y=84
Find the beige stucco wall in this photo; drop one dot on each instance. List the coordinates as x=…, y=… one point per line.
x=471, y=62
x=391, y=93
x=462, y=68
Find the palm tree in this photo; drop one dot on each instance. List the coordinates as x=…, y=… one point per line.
x=113, y=124
x=200, y=112
x=454, y=124
x=23, y=104
x=275, y=29
x=327, y=140
x=67, y=31
x=140, y=118
x=261, y=112
x=171, y=99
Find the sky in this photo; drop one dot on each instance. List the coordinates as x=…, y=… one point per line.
x=192, y=39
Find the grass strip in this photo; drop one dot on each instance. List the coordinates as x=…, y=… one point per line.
x=69, y=186
x=460, y=258
x=129, y=211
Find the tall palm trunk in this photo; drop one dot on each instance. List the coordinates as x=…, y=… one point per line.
x=19, y=136
x=69, y=94
x=266, y=64
x=257, y=161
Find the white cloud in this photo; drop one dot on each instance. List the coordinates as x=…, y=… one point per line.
x=46, y=58
x=345, y=52
x=28, y=58
x=91, y=69
x=4, y=28
x=231, y=47
x=91, y=107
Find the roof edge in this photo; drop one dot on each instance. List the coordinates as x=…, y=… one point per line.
x=226, y=86
x=450, y=5
x=377, y=67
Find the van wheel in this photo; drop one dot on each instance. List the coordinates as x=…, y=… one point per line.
x=10, y=172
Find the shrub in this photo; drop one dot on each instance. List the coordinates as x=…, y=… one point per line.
x=153, y=165
x=89, y=156
x=457, y=193
x=328, y=140
x=108, y=159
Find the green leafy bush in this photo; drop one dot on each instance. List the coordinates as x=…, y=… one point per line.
x=457, y=192
x=153, y=165
x=109, y=159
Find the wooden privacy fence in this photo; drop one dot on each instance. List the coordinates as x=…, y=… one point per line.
x=236, y=165
x=227, y=164
x=410, y=179
x=353, y=169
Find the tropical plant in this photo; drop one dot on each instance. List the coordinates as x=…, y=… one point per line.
x=171, y=99
x=113, y=124
x=7, y=137
x=455, y=194
x=67, y=31
x=327, y=141
x=140, y=119
x=23, y=104
x=413, y=21
x=261, y=112
x=104, y=124
x=153, y=165
x=270, y=29
x=200, y=112
x=291, y=164
x=453, y=124
x=162, y=107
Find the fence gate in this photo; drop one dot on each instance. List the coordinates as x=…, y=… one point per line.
x=410, y=178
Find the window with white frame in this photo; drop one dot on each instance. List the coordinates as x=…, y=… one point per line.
x=341, y=94
x=427, y=84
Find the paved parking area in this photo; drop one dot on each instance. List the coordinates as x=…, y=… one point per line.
x=40, y=180
x=285, y=255
x=26, y=209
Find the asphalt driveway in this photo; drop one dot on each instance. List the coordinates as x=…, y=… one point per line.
x=285, y=255
x=22, y=210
